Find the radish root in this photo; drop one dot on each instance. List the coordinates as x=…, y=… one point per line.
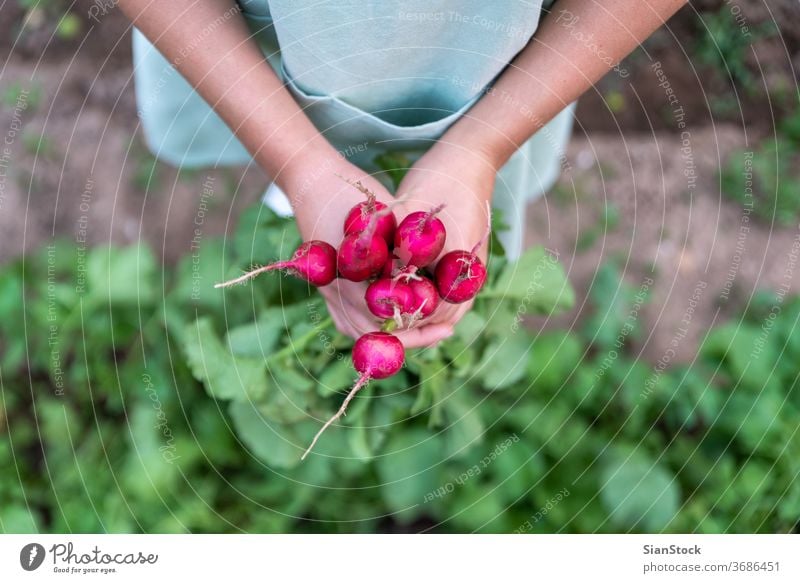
x=251, y=274
x=429, y=216
x=408, y=273
x=417, y=315
x=360, y=384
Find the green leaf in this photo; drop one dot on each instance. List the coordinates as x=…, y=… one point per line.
x=16, y=519
x=197, y=273
x=553, y=357
x=395, y=164
x=338, y=376
x=465, y=427
x=407, y=472
x=122, y=276
x=461, y=357
x=755, y=419
x=470, y=326
x=432, y=377
x=479, y=509
x=372, y=427
x=359, y=439
x=745, y=351
x=504, y=361
x=154, y=468
x=259, y=339
x=638, y=493
x=223, y=375
x=262, y=237
x=518, y=467
x=281, y=445
x=537, y=281
x=276, y=444
x=290, y=380
x=616, y=305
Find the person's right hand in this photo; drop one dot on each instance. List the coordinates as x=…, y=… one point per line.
x=321, y=201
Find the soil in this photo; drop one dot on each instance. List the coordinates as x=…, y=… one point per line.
x=686, y=239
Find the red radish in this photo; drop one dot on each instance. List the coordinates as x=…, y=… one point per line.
x=362, y=257
x=426, y=297
x=391, y=266
x=420, y=238
x=460, y=275
x=376, y=355
x=314, y=261
x=359, y=217
x=389, y=299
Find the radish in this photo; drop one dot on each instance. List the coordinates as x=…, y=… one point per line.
x=391, y=266
x=460, y=275
x=359, y=217
x=426, y=296
x=376, y=355
x=389, y=299
x=314, y=262
x=362, y=256
x=420, y=238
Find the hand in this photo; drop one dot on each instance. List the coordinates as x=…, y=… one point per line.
x=463, y=181
x=321, y=201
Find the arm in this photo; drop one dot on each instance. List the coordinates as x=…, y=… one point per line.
x=229, y=71
x=575, y=46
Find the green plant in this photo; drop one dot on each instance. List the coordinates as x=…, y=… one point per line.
x=38, y=145
x=765, y=181
x=69, y=26
x=55, y=15
x=16, y=93
x=610, y=221
x=147, y=170
x=724, y=46
x=102, y=410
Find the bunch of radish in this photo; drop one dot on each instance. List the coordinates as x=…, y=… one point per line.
x=406, y=282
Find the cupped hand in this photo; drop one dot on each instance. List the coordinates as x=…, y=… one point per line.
x=463, y=182
x=321, y=200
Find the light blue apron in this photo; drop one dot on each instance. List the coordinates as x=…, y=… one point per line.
x=373, y=77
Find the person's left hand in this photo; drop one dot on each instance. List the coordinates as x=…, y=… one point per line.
x=463, y=182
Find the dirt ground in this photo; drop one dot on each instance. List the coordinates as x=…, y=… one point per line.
x=91, y=173
x=689, y=241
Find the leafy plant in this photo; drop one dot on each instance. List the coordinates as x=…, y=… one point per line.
x=724, y=47
x=30, y=96
x=765, y=181
x=103, y=411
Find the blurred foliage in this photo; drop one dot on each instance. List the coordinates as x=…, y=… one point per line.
x=725, y=45
x=726, y=41
x=136, y=398
x=53, y=15
x=765, y=180
x=18, y=95
x=147, y=174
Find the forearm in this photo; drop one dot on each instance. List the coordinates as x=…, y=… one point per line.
x=575, y=46
x=228, y=69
